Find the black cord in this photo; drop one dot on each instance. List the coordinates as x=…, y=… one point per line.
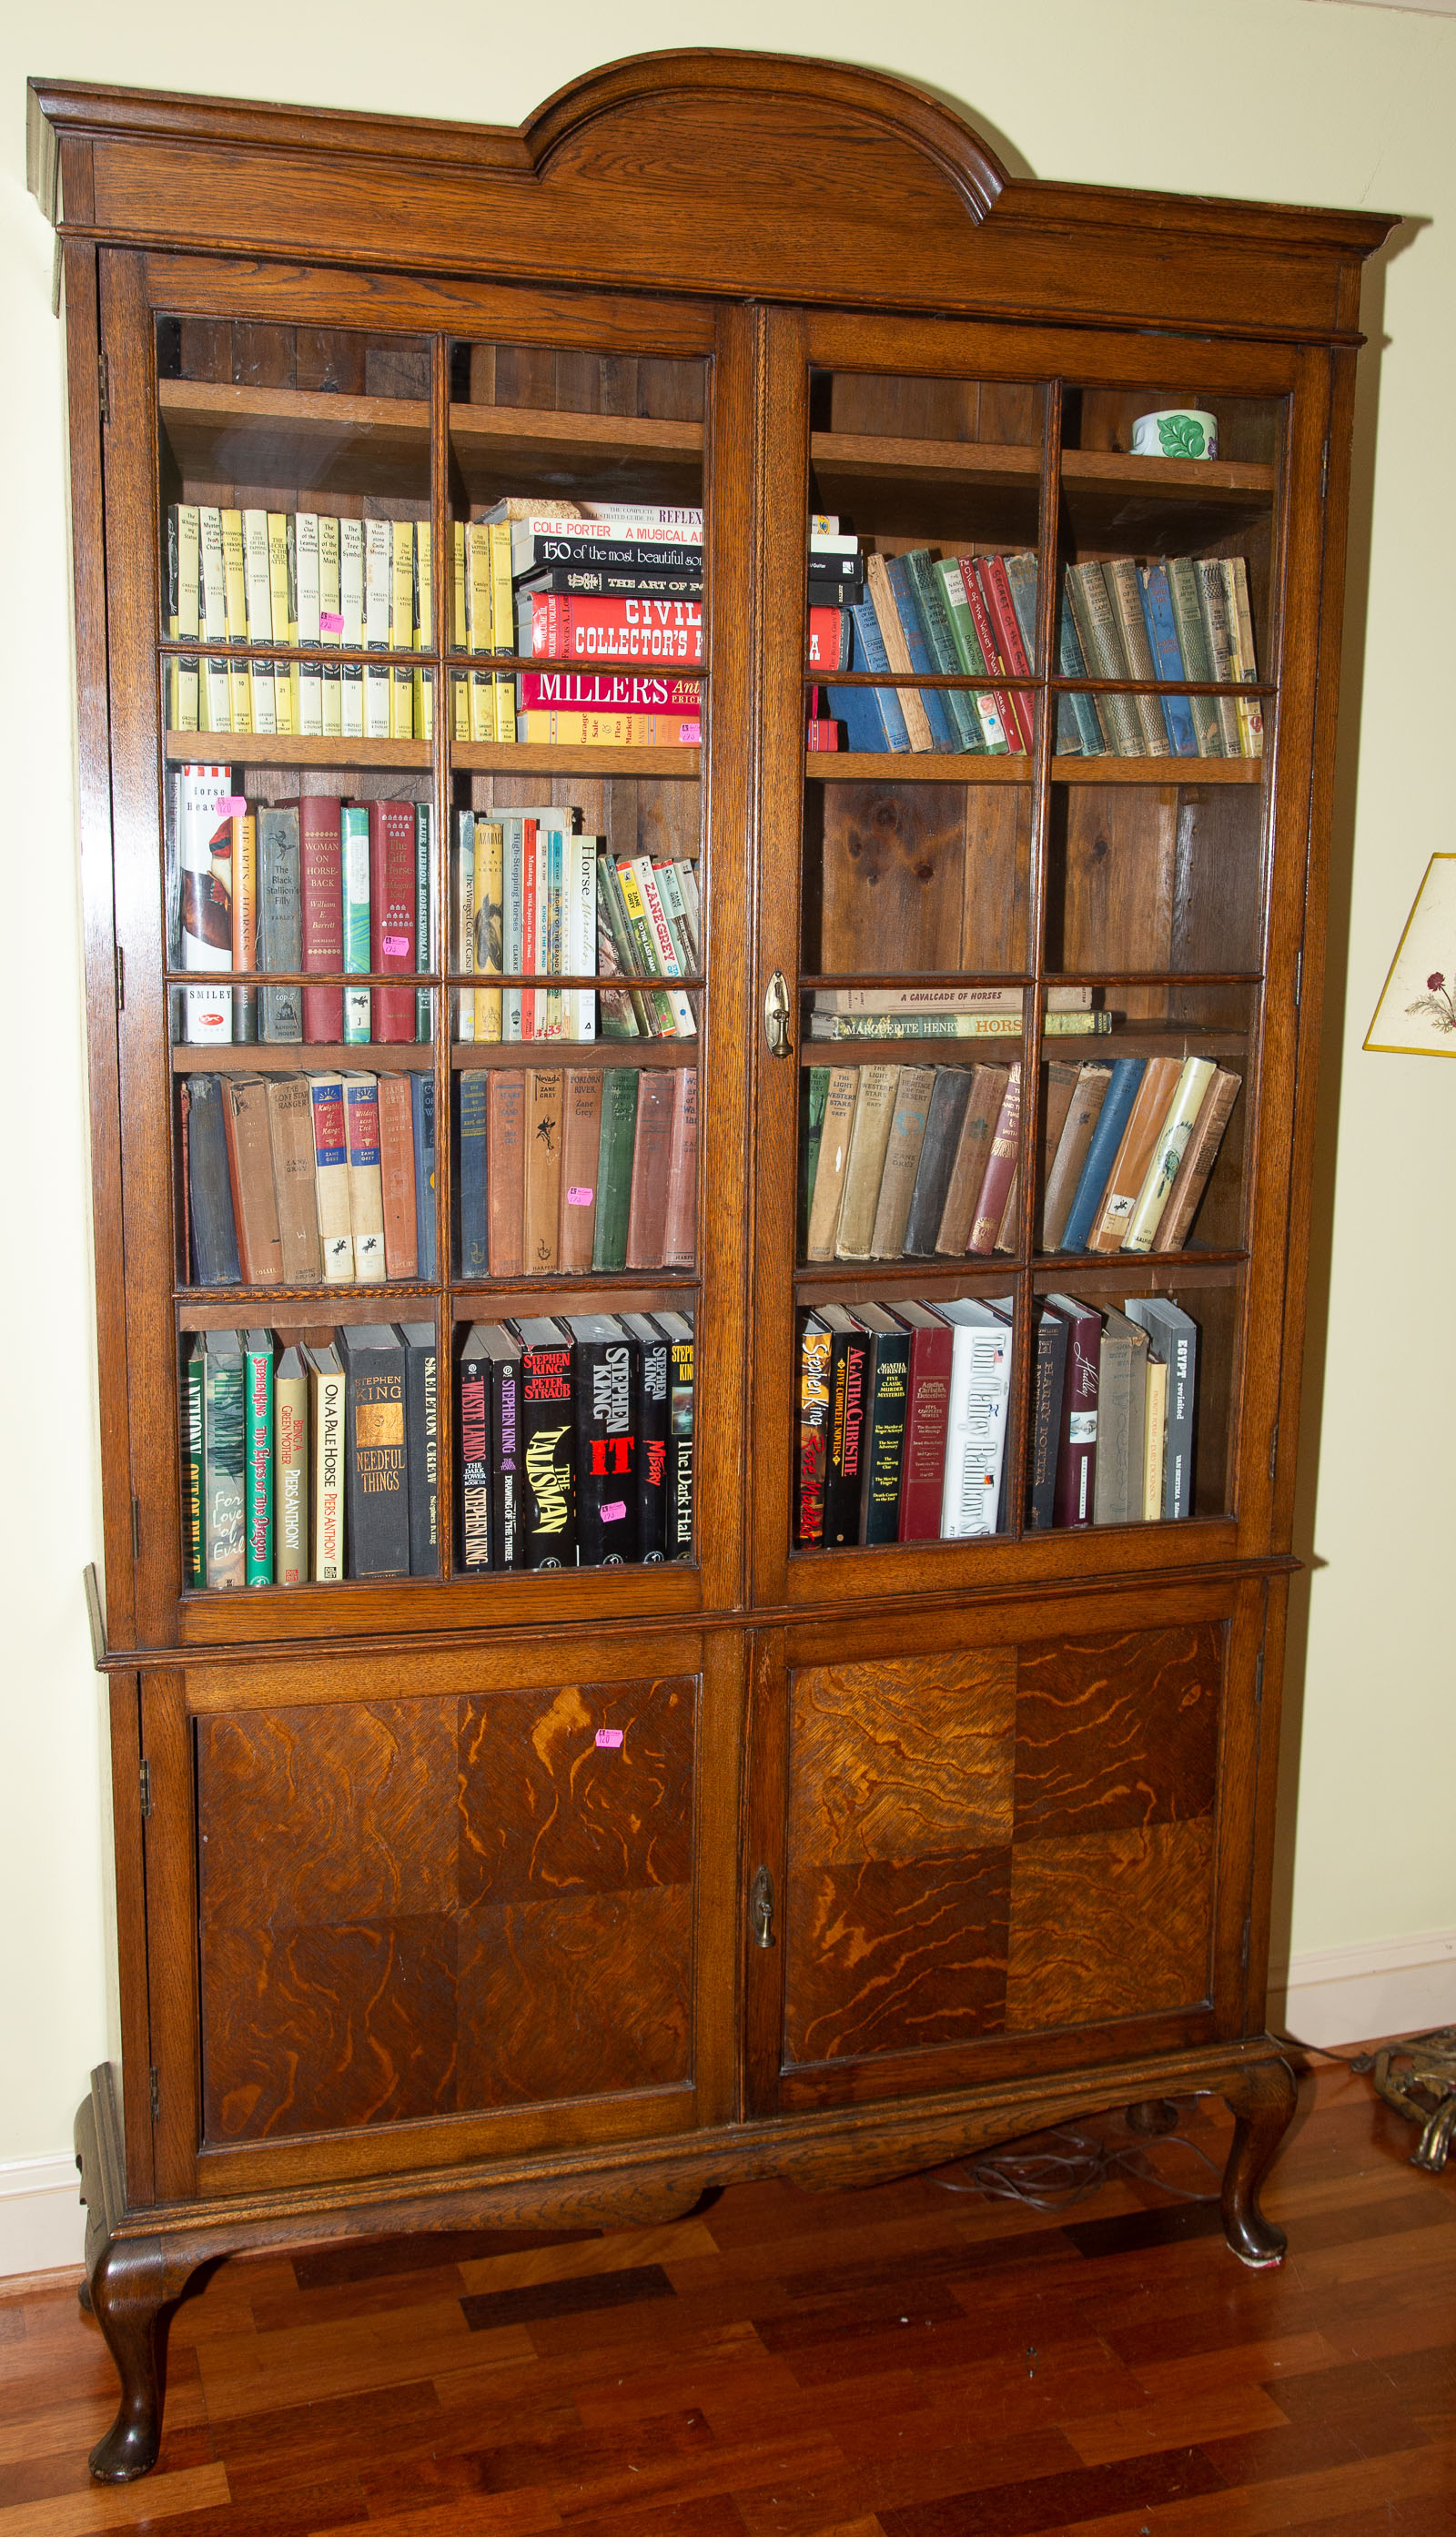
x=1358, y=2062
x=1055, y=2178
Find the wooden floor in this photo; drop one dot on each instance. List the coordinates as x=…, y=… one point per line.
x=907, y=2361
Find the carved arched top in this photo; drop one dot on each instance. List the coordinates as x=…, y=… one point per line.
x=706, y=91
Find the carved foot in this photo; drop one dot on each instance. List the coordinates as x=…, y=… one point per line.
x=1261, y=2100
x=130, y=2290
x=83, y=2294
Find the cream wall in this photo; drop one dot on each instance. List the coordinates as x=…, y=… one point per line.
x=1284, y=99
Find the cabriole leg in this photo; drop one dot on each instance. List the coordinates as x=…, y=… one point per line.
x=1261, y=2100
x=131, y=2289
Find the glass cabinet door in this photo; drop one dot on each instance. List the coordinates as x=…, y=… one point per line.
x=1023, y=629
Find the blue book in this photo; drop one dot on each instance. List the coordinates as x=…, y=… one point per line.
x=421, y=1120
x=1101, y=1153
x=907, y=611
x=869, y=709
x=1094, y=739
x=1167, y=657
x=475, y=1230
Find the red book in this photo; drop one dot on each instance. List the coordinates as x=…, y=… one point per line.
x=985, y=635
x=1077, y=1441
x=927, y=1411
x=665, y=630
x=321, y=887
x=607, y=690
x=1001, y=1163
x=680, y=1232
x=819, y=734
x=397, y=1176
x=829, y=638
x=1006, y=626
x=392, y=915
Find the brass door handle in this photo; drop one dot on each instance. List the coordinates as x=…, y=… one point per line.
x=760, y=1908
x=776, y=1011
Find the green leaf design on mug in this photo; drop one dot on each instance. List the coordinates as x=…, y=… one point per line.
x=1180, y=436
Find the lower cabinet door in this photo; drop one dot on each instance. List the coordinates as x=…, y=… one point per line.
x=1000, y=1840
x=432, y=1912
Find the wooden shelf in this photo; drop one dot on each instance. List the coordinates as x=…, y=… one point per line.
x=1233, y=480
x=596, y=455
x=506, y=758
x=466, y=1055
x=845, y=455
x=292, y=436
x=304, y=1057
x=861, y=767
x=270, y=748
x=815, y=1276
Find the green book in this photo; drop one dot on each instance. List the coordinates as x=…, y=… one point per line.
x=815, y=1097
x=930, y=600
x=194, y=1384
x=624, y=942
x=354, y=829
x=222, y=1441
x=423, y=1027
x=1193, y=643
x=968, y=653
x=614, y=1166
x=257, y=1399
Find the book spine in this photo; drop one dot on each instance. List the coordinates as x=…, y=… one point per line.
x=1241, y=632
x=885, y=1444
x=393, y=885
x=507, y=1472
x=548, y=1424
x=397, y=1177
x=558, y=729
x=1198, y=1159
x=377, y=1481
x=927, y=1408
x=1076, y=1445
x=224, y=1481
x=1096, y=621
x=214, y=1225
x=1181, y=1351
x=423, y=857
x=475, y=1225
x=944, y=737
x=975, y=1432
x=486, y=928
x=421, y=1121
x=354, y=858
x=1102, y=1152
x=366, y=1181
x=1047, y=1418
x=1008, y=713
x=331, y=1178
x=1193, y=645
x=849, y=1368
x=897, y=651
x=680, y=1451
x=328, y=1426
x=646, y=628
x=991, y=571
x=959, y=706
x=194, y=1561
x=464, y=897
x=652, y=1442
x=291, y=1472
x=869, y=653
x=473, y=1466
x=1126, y=592
x=1001, y=1163
x=258, y=1458
x=970, y=659
x=1213, y=601
x=605, y=1382
x=1167, y=659
x=815, y=1347
x=1168, y=1152
x=322, y=923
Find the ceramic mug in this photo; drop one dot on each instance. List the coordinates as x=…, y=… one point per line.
x=1180, y=432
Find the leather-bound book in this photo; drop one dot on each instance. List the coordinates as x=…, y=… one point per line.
x=679, y=1230
x=869, y=1138
x=927, y=1415
x=250, y=1168
x=833, y=1155
x=392, y=914
x=1066, y=1158
x=291, y=1141
x=279, y=923
x=1061, y=1082
x=505, y=1169
x=968, y=1171
x=1048, y=1378
x=209, y=1187
x=545, y=1089
x=581, y=1136
x=948, y=1100
x=1001, y=1163
x=613, y=1168
x=397, y=1177
x=1123, y=1401
x=907, y=1129
x=1198, y=1160
x=321, y=897
x=646, y=1222
x=1077, y=1443
x=1140, y=1135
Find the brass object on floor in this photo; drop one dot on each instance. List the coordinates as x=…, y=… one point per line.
x=1419, y=2078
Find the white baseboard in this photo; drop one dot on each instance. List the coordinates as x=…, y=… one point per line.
x=43, y=2226
x=1337, y=1995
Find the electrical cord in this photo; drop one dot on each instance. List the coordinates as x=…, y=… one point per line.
x=1055, y=2178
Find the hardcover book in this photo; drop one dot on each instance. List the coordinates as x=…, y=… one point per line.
x=606, y=1375
x=650, y=1461
x=547, y=1427
x=421, y=1443
x=376, y=1472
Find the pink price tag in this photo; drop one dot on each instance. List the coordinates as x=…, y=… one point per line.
x=395, y=947
x=234, y=806
x=579, y=1196
x=328, y=623
x=610, y=1735
x=613, y=1512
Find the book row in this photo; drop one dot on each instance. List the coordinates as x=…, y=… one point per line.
x=570, y=1170
x=308, y=1456
x=913, y=1162
x=902, y=1418
x=536, y=897
x=1177, y=618
x=314, y=886
x=575, y=1441
x=308, y=1180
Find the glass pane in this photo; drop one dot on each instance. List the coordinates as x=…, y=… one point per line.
x=1133, y=1391
x=1153, y=877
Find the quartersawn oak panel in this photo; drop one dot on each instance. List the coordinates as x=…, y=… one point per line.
x=575, y=1996
x=545, y=1809
x=439, y=1906
x=901, y=1760
x=894, y=1953
x=1117, y=1731
x=1110, y=1924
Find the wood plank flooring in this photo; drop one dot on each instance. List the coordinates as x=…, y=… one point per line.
x=907, y=2361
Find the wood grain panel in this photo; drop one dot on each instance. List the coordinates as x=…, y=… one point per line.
x=1110, y=1924
x=544, y=1809
x=906, y=1759
x=892, y=885
x=895, y=1953
x=328, y=1814
x=574, y=1996
x=311, y=2028
x=1117, y=1731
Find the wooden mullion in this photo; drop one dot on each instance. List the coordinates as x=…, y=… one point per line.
x=441, y=571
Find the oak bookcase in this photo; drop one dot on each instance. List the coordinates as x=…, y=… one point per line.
x=399, y=1947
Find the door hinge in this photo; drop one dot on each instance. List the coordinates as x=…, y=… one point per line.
x=1298, y=976
x=1324, y=471
x=1274, y=1449
x=135, y=1527
x=145, y=1778
x=120, y=980
x=761, y=1908
x=103, y=385
x=155, y=2094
